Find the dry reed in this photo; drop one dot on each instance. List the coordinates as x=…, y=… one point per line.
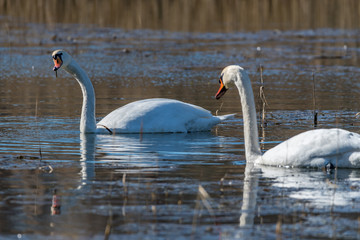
x=263, y=110
x=315, y=112
x=203, y=199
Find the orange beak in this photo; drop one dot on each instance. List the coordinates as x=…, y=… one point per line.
x=221, y=90
x=57, y=62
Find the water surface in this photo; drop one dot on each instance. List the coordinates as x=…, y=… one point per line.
x=59, y=184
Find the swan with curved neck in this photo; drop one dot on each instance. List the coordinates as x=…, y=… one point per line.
x=146, y=116
x=315, y=148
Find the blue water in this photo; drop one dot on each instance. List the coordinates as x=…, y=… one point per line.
x=59, y=184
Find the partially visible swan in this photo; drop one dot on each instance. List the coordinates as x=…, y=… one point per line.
x=314, y=148
x=147, y=116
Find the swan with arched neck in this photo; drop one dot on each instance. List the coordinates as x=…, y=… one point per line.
x=315, y=148
x=154, y=115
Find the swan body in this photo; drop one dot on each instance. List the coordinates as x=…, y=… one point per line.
x=146, y=116
x=314, y=148
x=159, y=115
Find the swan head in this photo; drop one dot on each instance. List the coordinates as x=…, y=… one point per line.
x=60, y=58
x=228, y=77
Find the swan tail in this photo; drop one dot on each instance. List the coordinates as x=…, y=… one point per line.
x=225, y=117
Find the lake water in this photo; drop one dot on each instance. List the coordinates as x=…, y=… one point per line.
x=59, y=184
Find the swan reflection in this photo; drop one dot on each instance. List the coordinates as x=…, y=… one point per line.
x=321, y=188
x=310, y=191
x=132, y=152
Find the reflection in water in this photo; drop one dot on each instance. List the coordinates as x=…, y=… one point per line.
x=249, y=202
x=322, y=189
x=269, y=193
x=138, y=160
x=248, y=208
x=297, y=192
x=147, y=187
x=87, y=159
x=153, y=151
x=56, y=203
x=149, y=152
x=303, y=202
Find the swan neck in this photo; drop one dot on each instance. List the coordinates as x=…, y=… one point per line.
x=87, y=120
x=251, y=136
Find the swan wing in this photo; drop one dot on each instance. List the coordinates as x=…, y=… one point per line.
x=316, y=148
x=158, y=115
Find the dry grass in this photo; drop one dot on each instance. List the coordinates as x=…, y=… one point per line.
x=203, y=199
x=249, y=15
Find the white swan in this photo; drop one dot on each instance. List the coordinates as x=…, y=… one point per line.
x=146, y=116
x=314, y=148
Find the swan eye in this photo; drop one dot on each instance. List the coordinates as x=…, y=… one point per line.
x=221, y=79
x=57, y=56
x=57, y=60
